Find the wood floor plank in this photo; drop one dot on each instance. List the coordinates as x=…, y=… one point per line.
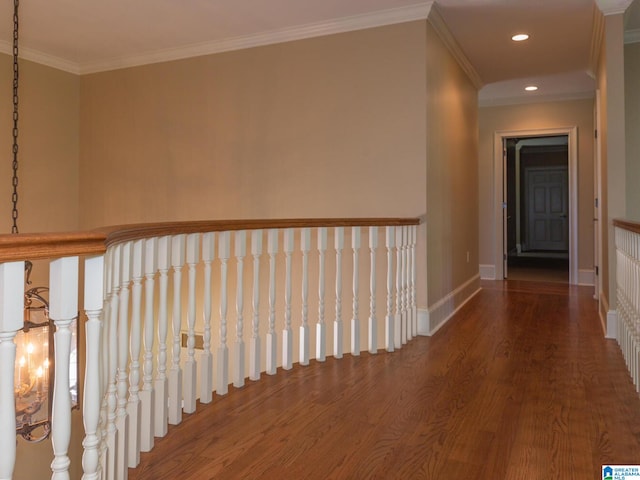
x=519, y=384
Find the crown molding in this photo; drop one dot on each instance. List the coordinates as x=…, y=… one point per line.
x=41, y=58
x=441, y=28
x=613, y=7
x=419, y=11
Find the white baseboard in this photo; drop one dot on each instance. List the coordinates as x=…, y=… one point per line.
x=612, y=324
x=487, y=272
x=586, y=277
x=440, y=312
x=423, y=322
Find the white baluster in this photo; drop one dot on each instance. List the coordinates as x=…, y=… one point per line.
x=92, y=394
x=287, y=333
x=206, y=359
x=133, y=407
x=63, y=309
x=11, y=320
x=175, y=372
x=122, y=418
x=272, y=341
x=355, y=321
x=399, y=328
x=240, y=252
x=389, y=324
x=111, y=440
x=373, y=323
x=305, y=246
x=254, y=353
x=337, y=324
x=190, y=366
x=224, y=252
x=406, y=327
x=161, y=396
x=147, y=394
x=414, y=308
x=321, y=330
x=105, y=379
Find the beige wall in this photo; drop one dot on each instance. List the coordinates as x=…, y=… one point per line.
x=48, y=154
x=452, y=172
x=538, y=116
x=632, y=127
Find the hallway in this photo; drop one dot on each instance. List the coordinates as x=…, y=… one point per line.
x=520, y=384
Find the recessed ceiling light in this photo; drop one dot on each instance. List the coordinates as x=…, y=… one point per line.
x=531, y=88
x=520, y=37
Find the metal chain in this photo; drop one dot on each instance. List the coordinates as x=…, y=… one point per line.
x=14, y=197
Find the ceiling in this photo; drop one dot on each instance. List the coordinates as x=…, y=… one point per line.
x=85, y=36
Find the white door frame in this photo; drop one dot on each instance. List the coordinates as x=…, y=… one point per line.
x=500, y=199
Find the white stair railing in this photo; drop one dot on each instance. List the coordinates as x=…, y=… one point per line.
x=134, y=296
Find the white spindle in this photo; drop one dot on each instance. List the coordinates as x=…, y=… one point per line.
x=406, y=315
x=122, y=418
x=111, y=441
x=254, y=353
x=414, y=308
x=272, y=341
x=63, y=309
x=11, y=320
x=206, y=359
x=337, y=324
x=224, y=252
x=373, y=324
x=147, y=393
x=305, y=246
x=321, y=331
x=175, y=372
x=287, y=333
x=389, y=324
x=355, y=320
x=133, y=407
x=161, y=384
x=240, y=252
x=92, y=392
x=397, y=334
x=105, y=379
x=190, y=366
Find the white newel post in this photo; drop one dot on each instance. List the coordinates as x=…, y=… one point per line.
x=175, y=372
x=162, y=385
x=337, y=324
x=11, y=320
x=63, y=309
x=287, y=333
x=147, y=393
x=272, y=341
x=133, y=406
x=224, y=252
x=240, y=252
x=206, y=358
x=389, y=327
x=92, y=395
x=254, y=353
x=190, y=367
x=305, y=247
x=122, y=418
x=321, y=330
x=373, y=324
x=355, y=320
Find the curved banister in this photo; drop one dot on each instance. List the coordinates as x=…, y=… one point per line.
x=627, y=225
x=48, y=245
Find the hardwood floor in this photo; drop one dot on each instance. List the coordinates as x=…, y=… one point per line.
x=520, y=384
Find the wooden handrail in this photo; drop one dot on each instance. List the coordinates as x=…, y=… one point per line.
x=34, y=246
x=627, y=225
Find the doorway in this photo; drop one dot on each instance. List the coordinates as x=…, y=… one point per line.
x=537, y=208
x=540, y=234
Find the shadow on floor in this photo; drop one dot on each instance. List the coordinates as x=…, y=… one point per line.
x=538, y=269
